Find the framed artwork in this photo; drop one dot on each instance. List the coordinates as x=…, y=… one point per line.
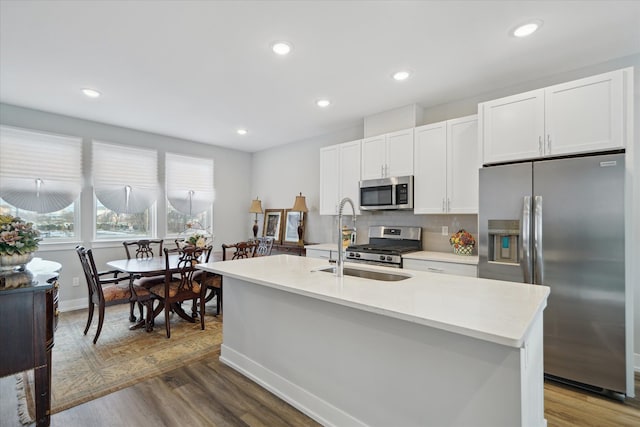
x=292, y=220
x=272, y=224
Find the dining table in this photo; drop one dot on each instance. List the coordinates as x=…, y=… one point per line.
x=149, y=267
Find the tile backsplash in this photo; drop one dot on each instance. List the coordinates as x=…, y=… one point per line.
x=323, y=229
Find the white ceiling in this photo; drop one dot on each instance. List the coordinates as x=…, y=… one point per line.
x=201, y=69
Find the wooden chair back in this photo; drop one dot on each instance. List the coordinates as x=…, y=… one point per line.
x=240, y=250
x=144, y=248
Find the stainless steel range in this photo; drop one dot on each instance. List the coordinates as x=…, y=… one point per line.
x=386, y=245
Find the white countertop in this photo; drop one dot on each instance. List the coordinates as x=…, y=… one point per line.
x=442, y=257
x=490, y=310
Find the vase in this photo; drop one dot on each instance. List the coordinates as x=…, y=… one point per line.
x=15, y=261
x=463, y=250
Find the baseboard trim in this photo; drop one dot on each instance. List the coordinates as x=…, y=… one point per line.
x=308, y=403
x=636, y=362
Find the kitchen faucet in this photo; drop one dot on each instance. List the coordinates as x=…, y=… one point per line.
x=340, y=261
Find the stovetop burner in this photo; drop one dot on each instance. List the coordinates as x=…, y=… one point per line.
x=386, y=245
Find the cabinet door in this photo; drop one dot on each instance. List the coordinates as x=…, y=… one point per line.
x=350, y=172
x=329, y=180
x=373, y=157
x=513, y=127
x=400, y=153
x=462, y=165
x=429, y=192
x=585, y=115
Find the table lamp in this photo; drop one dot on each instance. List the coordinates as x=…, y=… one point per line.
x=300, y=205
x=256, y=208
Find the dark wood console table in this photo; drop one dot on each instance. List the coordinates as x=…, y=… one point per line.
x=28, y=318
x=289, y=248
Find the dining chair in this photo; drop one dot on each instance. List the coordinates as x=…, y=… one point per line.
x=265, y=246
x=141, y=249
x=180, y=286
x=102, y=290
x=213, y=281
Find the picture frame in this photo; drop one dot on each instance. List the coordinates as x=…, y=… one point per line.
x=272, y=224
x=291, y=220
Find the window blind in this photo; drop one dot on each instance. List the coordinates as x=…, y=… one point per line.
x=125, y=179
x=190, y=187
x=39, y=172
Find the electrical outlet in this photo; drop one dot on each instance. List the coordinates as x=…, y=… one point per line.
x=76, y=281
x=445, y=230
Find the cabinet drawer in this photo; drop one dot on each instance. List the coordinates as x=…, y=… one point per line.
x=469, y=270
x=319, y=253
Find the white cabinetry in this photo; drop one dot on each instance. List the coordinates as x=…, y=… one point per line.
x=321, y=253
x=388, y=155
x=584, y=115
x=468, y=270
x=446, y=167
x=339, y=175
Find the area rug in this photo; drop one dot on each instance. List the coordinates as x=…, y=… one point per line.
x=83, y=371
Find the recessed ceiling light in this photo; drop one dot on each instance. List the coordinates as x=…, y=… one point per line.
x=323, y=103
x=401, y=75
x=242, y=131
x=91, y=93
x=527, y=28
x=281, y=48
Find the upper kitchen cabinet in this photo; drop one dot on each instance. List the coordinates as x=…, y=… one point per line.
x=339, y=176
x=446, y=163
x=585, y=115
x=388, y=155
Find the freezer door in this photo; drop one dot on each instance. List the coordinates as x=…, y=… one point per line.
x=504, y=226
x=583, y=263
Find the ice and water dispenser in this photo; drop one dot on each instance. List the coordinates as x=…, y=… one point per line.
x=504, y=241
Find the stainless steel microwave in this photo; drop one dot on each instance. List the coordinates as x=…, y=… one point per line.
x=386, y=193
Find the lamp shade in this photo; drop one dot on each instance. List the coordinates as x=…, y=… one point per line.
x=256, y=206
x=300, y=204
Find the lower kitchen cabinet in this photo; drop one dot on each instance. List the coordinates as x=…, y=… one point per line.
x=458, y=269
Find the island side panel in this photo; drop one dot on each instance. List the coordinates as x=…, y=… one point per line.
x=343, y=366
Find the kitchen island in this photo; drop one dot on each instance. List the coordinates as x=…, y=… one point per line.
x=429, y=350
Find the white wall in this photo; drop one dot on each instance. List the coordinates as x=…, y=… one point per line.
x=232, y=180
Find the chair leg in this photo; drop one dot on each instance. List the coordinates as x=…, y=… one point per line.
x=100, y=321
x=141, y=309
x=132, y=318
x=166, y=318
x=89, y=318
x=202, y=301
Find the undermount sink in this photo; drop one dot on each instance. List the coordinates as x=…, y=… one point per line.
x=367, y=274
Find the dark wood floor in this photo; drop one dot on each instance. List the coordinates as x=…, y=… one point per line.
x=208, y=393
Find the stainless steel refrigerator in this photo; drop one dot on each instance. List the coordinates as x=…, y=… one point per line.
x=560, y=223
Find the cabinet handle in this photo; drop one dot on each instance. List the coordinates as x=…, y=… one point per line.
x=443, y=205
x=548, y=144
x=540, y=145
x=448, y=204
x=435, y=270
x=381, y=171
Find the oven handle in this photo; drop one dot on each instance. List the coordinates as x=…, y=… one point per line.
x=381, y=264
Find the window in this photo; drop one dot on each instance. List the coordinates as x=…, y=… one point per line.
x=41, y=180
x=126, y=188
x=190, y=192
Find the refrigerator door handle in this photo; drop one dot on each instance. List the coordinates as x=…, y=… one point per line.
x=537, y=240
x=525, y=241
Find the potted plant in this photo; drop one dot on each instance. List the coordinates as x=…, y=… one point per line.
x=462, y=242
x=18, y=241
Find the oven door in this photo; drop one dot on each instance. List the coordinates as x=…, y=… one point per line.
x=371, y=262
